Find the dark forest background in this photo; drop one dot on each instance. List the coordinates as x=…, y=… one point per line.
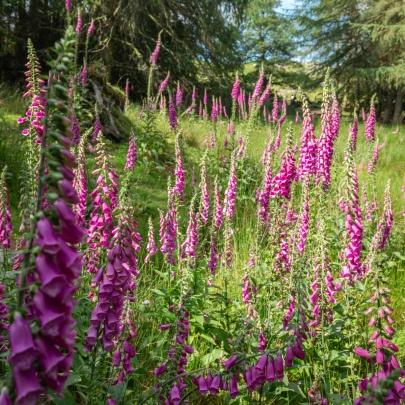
x=205, y=42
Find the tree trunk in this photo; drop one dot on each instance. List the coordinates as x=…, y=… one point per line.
x=388, y=107
x=398, y=106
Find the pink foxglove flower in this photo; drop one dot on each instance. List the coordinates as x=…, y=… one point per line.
x=308, y=155
x=236, y=88
x=188, y=247
x=179, y=171
x=259, y=85
x=168, y=229
x=6, y=226
x=354, y=129
x=335, y=119
x=204, y=200
x=274, y=113
x=151, y=246
x=325, y=146
x=369, y=129
x=284, y=178
x=80, y=183
x=179, y=95
x=104, y=198
x=91, y=29
x=163, y=85
x=263, y=195
x=230, y=192
x=79, y=25
x=155, y=54
x=353, y=225
x=131, y=154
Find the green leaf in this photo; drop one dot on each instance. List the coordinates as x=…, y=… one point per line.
x=66, y=400
x=207, y=338
x=211, y=357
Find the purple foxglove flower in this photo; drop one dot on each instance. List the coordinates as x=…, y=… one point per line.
x=67, y=191
x=362, y=353
x=116, y=358
x=289, y=357
x=5, y=399
x=110, y=401
x=48, y=239
x=279, y=367
x=205, y=97
x=215, y=385
x=230, y=362
x=262, y=363
x=23, y=350
x=51, y=278
x=27, y=386
x=270, y=374
x=131, y=154
x=233, y=387
x=202, y=385
x=97, y=129
x=175, y=398
x=68, y=5
x=49, y=315
x=160, y=370
x=172, y=115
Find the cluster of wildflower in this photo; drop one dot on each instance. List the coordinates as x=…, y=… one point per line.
x=151, y=246
x=36, y=111
x=287, y=174
x=205, y=199
x=116, y=284
x=165, y=82
x=97, y=129
x=104, y=198
x=188, y=247
x=177, y=358
x=325, y=147
x=172, y=115
x=80, y=182
x=308, y=155
x=369, y=129
x=131, y=154
x=168, y=230
x=179, y=185
x=353, y=224
x=42, y=358
x=155, y=54
x=179, y=95
x=6, y=226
